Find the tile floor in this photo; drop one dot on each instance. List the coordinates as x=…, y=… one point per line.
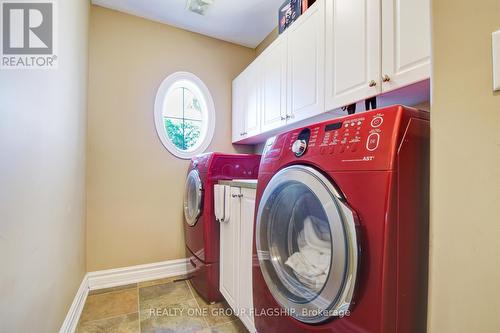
x=161, y=306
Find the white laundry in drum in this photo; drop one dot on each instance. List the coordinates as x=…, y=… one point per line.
x=311, y=263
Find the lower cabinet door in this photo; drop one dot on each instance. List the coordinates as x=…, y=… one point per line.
x=246, y=254
x=229, y=247
x=236, y=253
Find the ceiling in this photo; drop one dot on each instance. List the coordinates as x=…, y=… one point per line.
x=244, y=22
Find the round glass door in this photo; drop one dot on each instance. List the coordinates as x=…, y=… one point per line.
x=193, y=198
x=307, y=246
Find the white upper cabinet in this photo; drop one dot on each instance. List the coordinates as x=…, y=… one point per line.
x=406, y=42
x=339, y=52
x=253, y=107
x=274, y=67
x=352, y=51
x=247, y=103
x=239, y=100
x=306, y=64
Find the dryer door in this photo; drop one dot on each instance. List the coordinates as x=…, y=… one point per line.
x=193, y=198
x=307, y=245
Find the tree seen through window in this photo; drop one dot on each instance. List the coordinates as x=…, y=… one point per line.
x=183, y=118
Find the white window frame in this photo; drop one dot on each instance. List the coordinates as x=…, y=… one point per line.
x=209, y=118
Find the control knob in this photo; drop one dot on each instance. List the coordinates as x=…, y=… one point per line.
x=299, y=147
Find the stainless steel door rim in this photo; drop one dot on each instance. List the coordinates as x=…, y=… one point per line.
x=335, y=297
x=193, y=198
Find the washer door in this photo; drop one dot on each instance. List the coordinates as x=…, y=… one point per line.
x=307, y=245
x=193, y=198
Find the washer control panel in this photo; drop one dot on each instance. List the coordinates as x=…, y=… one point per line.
x=357, y=138
x=355, y=134
x=363, y=141
x=366, y=141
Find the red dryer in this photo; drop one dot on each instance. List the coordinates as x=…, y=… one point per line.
x=200, y=228
x=341, y=235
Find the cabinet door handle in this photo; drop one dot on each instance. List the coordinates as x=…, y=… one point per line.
x=237, y=195
x=284, y=118
x=372, y=84
x=386, y=78
x=243, y=134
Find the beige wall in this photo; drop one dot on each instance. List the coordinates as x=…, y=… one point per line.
x=135, y=186
x=42, y=182
x=267, y=41
x=465, y=223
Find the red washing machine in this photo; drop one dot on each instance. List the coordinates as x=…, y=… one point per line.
x=341, y=236
x=200, y=228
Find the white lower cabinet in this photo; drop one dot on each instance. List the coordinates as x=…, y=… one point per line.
x=236, y=252
x=229, y=245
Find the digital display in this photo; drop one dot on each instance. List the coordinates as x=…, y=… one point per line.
x=333, y=127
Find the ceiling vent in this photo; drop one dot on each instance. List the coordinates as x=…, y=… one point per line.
x=199, y=6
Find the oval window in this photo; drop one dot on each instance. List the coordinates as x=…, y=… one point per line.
x=184, y=115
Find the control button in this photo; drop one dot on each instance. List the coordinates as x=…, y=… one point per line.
x=354, y=147
x=359, y=123
x=299, y=147
x=373, y=141
x=377, y=121
x=342, y=149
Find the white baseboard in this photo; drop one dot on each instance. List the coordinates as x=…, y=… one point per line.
x=71, y=320
x=120, y=277
x=133, y=274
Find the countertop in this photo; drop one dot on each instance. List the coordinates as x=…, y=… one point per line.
x=243, y=183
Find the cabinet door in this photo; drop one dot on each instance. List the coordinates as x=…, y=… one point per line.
x=229, y=246
x=306, y=64
x=246, y=257
x=274, y=85
x=353, y=51
x=252, y=106
x=406, y=42
x=239, y=102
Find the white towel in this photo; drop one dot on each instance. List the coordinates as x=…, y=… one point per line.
x=219, y=202
x=311, y=263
